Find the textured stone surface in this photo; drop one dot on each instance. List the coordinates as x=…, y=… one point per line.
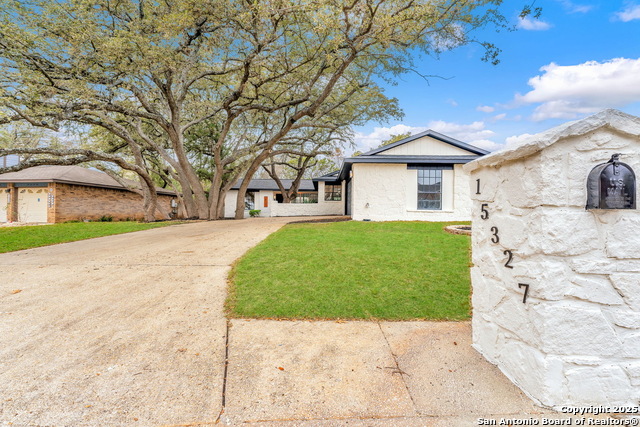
x=623, y=238
x=596, y=289
x=563, y=231
x=536, y=374
x=574, y=339
x=628, y=284
x=487, y=291
x=550, y=271
x=594, y=385
x=625, y=319
x=572, y=330
x=513, y=316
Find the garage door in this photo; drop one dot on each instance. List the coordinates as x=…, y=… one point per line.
x=4, y=204
x=32, y=205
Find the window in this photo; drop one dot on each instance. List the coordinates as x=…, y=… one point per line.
x=249, y=203
x=306, y=198
x=332, y=193
x=311, y=197
x=429, y=188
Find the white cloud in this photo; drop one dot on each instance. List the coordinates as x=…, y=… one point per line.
x=527, y=23
x=452, y=102
x=572, y=7
x=487, y=144
x=485, y=108
x=464, y=132
x=572, y=90
x=630, y=13
x=472, y=133
x=374, y=139
x=499, y=117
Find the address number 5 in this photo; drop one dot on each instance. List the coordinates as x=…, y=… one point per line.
x=484, y=213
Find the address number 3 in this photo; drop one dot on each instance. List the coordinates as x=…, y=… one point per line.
x=495, y=238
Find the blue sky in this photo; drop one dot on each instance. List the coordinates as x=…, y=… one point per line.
x=580, y=57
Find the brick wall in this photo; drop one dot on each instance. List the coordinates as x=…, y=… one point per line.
x=78, y=202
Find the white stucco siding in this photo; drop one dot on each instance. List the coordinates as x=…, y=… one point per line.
x=389, y=192
x=258, y=197
x=263, y=201
x=309, y=209
x=230, y=204
x=331, y=207
x=426, y=146
x=378, y=192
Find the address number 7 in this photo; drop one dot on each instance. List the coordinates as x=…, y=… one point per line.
x=526, y=291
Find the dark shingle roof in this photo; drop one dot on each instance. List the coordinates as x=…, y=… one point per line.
x=330, y=177
x=67, y=175
x=270, y=185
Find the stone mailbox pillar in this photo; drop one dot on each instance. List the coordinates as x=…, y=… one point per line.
x=556, y=287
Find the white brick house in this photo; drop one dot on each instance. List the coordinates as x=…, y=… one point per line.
x=419, y=178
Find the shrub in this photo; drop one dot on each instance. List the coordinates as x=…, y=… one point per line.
x=254, y=212
x=106, y=218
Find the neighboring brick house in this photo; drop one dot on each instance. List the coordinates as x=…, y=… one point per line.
x=70, y=193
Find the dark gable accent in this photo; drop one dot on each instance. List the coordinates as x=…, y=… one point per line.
x=430, y=165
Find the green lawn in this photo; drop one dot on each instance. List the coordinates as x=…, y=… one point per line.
x=355, y=270
x=18, y=238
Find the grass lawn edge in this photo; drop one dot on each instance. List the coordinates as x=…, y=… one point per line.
x=157, y=224
x=231, y=302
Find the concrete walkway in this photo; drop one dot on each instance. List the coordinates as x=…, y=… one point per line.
x=130, y=330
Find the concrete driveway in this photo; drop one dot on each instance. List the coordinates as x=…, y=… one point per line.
x=122, y=329
x=130, y=330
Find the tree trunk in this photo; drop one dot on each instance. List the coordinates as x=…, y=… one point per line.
x=199, y=196
x=150, y=199
x=214, y=194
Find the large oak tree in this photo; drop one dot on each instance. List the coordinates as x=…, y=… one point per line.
x=253, y=72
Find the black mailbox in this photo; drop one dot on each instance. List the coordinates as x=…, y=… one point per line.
x=611, y=185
